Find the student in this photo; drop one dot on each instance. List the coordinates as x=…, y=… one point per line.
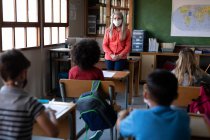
x=160, y=122
x=188, y=71
x=116, y=43
x=85, y=55
x=18, y=110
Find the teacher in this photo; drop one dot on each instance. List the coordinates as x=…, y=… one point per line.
x=116, y=43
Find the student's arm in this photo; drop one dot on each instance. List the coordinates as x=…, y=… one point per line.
x=121, y=115
x=126, y=123
x=48, y=124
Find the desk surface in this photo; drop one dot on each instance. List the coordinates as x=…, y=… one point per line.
x=119, y=75
x=199, y=126
x=63, y=122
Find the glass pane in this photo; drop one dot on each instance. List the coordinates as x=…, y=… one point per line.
x=56, y=11
x=20, y=38
x=54, y=35
x=21, y=10
x=8, y=10
x=63, y=11
x=31, y=37
x=32, y=11
x=62, y=35
x=7, y=39
x=47, y=40
x=48, y=10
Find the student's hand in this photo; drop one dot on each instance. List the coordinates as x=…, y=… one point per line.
x=51, y=114
x=122, y=114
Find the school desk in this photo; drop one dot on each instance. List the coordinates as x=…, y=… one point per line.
x=200, y=127
x=117, y=77
x=66, y=114
x=134, y=76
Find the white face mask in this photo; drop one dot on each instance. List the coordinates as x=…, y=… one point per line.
x=117, y=23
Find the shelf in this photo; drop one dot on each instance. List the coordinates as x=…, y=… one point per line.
x=101, y=24
x=96, y=35
x=120, y=8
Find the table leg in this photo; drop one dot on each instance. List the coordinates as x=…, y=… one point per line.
x=72, y=125
x=137, y=73
x=131, y=79
x=51, y=72
x=126, y=93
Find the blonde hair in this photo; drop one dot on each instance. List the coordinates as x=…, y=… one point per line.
x=187, y=63
x=123, y=27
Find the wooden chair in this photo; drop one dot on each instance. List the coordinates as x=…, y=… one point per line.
x=74, y=88
x=185, y=95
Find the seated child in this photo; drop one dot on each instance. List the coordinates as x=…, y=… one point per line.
x=188, y=71
x=160, y=122
x=85, y=55
x=18, y=110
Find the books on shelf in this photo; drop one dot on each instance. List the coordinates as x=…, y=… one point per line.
x=120, y=3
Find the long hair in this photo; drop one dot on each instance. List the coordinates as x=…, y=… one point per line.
x=123, y=27
x=187, y=63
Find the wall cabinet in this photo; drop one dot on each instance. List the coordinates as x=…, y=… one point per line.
x=147, y=65
x=98, y=14
x=151, y=61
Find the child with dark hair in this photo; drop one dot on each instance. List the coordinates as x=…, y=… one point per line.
x=85, y=55
x=160, y=120
x=18, y=111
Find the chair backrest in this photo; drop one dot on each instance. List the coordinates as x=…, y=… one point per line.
x=74, y=88
x=185, y=95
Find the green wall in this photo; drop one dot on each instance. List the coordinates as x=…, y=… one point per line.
x=154, y=16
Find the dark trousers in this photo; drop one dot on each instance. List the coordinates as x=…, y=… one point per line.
x=116, y=65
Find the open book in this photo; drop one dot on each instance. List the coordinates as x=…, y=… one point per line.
x=60, y=109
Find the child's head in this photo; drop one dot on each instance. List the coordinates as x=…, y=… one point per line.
x=161, y=87
x=86, y=53
x=186, y=63
x=12, y=64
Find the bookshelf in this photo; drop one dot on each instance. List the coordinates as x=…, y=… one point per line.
x=98, y=14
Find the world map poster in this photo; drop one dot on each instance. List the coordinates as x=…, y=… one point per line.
x=190, y=18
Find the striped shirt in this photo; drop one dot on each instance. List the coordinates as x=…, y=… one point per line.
x=17, y=113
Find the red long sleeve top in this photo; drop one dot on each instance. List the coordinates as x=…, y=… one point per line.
x=113, y=45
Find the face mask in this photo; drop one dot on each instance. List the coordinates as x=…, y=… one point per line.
x=117, y=23
x=147, y=102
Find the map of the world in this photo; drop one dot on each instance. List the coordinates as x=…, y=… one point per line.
x=190, y=18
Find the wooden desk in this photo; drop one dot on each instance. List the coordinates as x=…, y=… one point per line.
x=121, y=76
x=200, y=127
x=66, y=123
x=134, y=76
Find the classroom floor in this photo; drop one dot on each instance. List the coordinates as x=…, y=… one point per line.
x=137, y=102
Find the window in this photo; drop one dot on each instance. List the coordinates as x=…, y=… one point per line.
x=55, y=21
x=20, y=23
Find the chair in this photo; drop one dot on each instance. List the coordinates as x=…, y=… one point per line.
x=74, y=88
x=185, y=95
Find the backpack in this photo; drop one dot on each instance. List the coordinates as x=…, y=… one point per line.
x=97, y=113
x=201, y=105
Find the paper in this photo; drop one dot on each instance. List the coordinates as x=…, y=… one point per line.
x=60, y=109
x=108, y=74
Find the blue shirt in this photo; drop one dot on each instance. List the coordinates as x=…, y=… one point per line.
x=157, y=123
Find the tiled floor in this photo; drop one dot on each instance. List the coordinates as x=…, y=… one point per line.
x=136, y=102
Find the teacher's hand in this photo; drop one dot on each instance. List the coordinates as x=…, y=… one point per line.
x=114, y=57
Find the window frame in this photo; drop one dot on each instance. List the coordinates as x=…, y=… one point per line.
x=39, y=25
